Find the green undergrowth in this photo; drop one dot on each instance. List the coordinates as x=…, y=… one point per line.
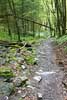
x=62, y=39
x=6, y=72
x=4, y=36
x=31, y=40
x=29, y=55
x=20, y=99
x=30, y=59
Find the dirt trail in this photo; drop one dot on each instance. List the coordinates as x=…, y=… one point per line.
x=50, y=85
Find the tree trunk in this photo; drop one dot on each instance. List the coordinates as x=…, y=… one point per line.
x=64, y=17
x=12, y=7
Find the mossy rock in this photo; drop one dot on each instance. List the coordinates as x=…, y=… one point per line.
x=13, y=50
x=6, y=88
x=30, y=59
x=6, y=72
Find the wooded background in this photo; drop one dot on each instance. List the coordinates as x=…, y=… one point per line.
x=20, y=18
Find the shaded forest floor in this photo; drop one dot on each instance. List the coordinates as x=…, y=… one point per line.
x=33, y=71
x=61, y=60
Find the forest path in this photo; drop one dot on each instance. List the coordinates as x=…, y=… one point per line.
x=48, y=73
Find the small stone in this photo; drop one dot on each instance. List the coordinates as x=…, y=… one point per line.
x=28, y=82
x=24, y=79
x=17, y=82
x=18, y=55
x=64, y=92
x=64, y=82
x=20, y=60
x=24, y=95
x=39, y=96
x=36, y=59
x=6, y=98
x=37, y=78
x=19, y=91
x=31, y=87
x=23, y=67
